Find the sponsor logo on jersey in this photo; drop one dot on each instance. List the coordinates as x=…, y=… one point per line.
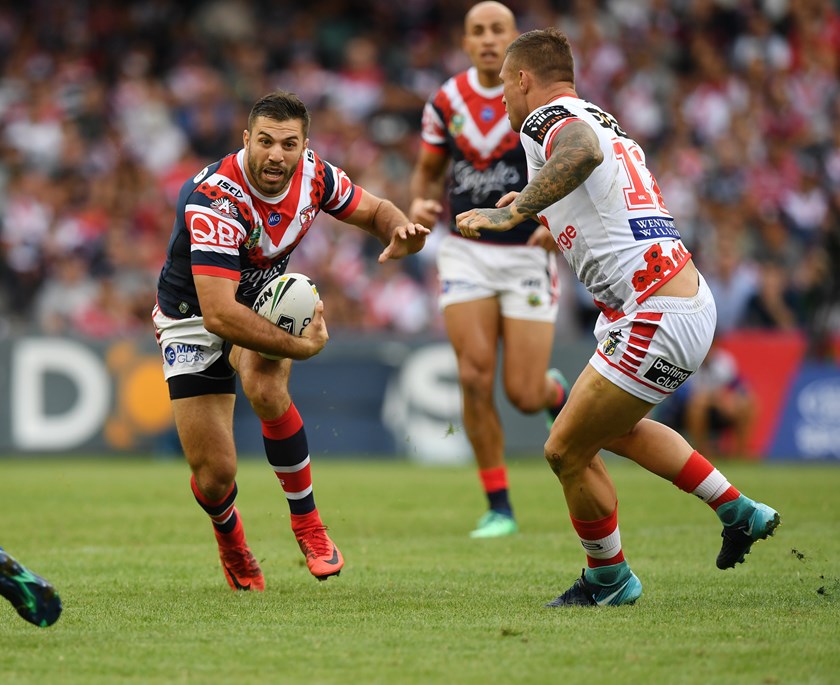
x=207, y=231
x=487, y=113
x=654, y=228
x=201, y=174
x=274, y=219
x=179, y=353
x=456, y=125
x=611, y=343
x=666, y=375
x=481, y=183
x=225, y=206
x=534, y=300
x=229, y=187
x=540, y=122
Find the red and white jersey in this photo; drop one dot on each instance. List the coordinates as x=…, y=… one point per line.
x=468, y=123
x=225, y=227
x=614, y=229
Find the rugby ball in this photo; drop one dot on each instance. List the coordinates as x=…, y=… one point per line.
x=289, y=302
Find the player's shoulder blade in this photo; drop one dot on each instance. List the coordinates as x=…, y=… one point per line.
x=541, y=121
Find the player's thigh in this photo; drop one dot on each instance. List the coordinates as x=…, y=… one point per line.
x=473, y=329
x=597, y=413
x=205, y=429
x=526, y=351
x=265, y=382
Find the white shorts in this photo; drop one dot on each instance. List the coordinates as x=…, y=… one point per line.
x=522, y=277
x=652, y=352
x=186, y=346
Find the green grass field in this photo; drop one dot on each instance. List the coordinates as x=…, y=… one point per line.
x=418, y=602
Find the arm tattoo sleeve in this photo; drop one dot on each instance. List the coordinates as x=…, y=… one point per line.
x=575, y=152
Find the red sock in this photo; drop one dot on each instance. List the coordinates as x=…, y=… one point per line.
x=601, y=540
x=494, y=479
x=287, y=451
x=222, y=513
x=495, y=484
x=699, y=477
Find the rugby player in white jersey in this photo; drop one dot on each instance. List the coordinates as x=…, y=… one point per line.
x=237, y=222
x=502, y=287
x=589, y=184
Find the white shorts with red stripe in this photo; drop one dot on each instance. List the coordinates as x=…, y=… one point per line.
x=652, y=352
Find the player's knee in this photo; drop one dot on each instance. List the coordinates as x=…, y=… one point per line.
x=215, y=480
x=267, y=400
x=474, y=380
x=559, y=458
x=526, y=401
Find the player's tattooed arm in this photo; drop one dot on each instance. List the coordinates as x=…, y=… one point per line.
x=575, y=153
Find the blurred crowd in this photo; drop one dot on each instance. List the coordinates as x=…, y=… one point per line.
x=108, y=107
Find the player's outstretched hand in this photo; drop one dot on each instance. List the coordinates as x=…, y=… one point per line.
x=405, y=240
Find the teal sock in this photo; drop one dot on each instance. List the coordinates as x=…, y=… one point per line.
x=607, y=575
x=735, y=511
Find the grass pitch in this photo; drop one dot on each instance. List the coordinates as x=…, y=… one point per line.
x=418, y=602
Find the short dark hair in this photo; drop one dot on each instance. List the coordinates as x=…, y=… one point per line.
x=546, y=53
x=280, y=105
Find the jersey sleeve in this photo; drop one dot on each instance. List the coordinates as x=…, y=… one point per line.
x=217, y=228
x=341, y=195
x=433, y=125
x=542, y=125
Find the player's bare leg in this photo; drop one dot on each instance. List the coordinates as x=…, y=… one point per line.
x=473, y=329
x=205, y=428
x=526, y=352
x=266, y=385
x=601, y=415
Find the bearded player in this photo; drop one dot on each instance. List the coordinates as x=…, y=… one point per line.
x=237, y=223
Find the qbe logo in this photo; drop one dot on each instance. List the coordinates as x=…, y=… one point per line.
x=183, y=354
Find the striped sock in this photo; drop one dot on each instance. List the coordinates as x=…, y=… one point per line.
x=698, y=477
x=601, y=540
x=495, y=484
x=222, y=513
x=288, y=453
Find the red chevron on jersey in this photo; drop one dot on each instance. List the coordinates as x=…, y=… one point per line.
x=225, y=227
x=477, y=121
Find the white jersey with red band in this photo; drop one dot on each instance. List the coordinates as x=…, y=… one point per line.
x=614, y=229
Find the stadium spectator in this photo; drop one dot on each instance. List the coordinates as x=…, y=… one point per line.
x=101, y=88
x=657, y=321
x=775, y=303
x=237, y=223
x=32, y=596
x=67, y=292
x=732, y=279
x=503, y=288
